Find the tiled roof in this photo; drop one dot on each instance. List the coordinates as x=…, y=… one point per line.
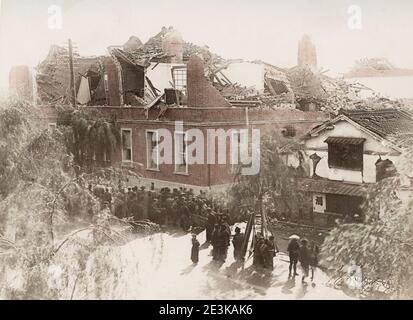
x=330, y=186
x=342, y=140
x=385, y=122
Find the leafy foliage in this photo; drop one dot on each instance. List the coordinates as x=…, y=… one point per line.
x=88, y=135
x=383, y=245
x=50, y=222
x=273, y=188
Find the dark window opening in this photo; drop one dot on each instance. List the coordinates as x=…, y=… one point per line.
x=385, y=169
x=279, y=87
x=126, y=145
x=289, y=131
x=347, y=206
x=345, y=156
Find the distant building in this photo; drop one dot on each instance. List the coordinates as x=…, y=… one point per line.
x=380, y=77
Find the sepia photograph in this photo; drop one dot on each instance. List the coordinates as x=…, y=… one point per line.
x=231, y=151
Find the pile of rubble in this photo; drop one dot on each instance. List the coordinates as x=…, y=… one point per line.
x=241, y=83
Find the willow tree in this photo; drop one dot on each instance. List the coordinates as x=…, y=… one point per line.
x=88, y=134
x=38, y=187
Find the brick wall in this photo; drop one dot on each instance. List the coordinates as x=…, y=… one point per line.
x=200, y=92
x=268, y=121
x=113, y=95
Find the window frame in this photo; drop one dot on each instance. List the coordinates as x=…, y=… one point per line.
x=235, y=133
x=131, y=145
x=149, y=157
x=177, y=78
x=176, y=152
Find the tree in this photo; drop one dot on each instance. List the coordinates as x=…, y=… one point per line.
x=88, y=135
x=273, y=188
x=50, y=222
x=383, y=244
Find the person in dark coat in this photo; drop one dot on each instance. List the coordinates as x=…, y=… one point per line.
x=210, y=224
x=304, y=257
x=195, y=249
x=293, y=252
x=258, y=259
x=220, y=242
x=269, y=251
x=314, y=251
x=237, y=241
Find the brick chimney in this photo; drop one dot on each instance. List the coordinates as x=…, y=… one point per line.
x=307, y=55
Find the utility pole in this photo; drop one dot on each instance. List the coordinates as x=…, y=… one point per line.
x=72, y=76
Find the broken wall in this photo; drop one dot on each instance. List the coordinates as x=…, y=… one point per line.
x=201, y=93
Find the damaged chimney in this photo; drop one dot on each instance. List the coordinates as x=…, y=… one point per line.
x=20, y=82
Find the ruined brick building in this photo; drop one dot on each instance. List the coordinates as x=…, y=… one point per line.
x=152, y=86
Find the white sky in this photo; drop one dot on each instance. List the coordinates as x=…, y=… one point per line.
x=260, y=29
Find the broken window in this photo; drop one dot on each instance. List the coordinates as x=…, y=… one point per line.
x=179, y=77
x=181, y=165
x=152, y=151
x=126, y=145
x=345, y=155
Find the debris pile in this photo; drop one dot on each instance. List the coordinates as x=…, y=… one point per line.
x=154, y=73
x=53, y=75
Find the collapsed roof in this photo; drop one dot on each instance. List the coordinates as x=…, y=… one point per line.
x=240, y=82
x=53, y=78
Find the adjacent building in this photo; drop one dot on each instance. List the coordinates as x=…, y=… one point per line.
x=347, y=154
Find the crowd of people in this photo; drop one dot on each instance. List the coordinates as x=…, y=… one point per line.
x=180, y=208
x=183, y=209
x=265, y=250
x=218, y=234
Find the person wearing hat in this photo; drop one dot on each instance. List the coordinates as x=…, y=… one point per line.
x=237, y=241
x=195, y=249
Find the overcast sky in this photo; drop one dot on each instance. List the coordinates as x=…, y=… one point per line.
x=261, y=29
